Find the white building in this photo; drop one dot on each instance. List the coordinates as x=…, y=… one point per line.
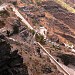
x=43, y=31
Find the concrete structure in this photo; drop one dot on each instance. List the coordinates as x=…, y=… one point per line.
x=2, y=7
x=43, y=31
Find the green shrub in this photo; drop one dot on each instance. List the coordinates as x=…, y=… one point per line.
x=14, y=3
x=35, y=22
x=40, y=38
x=4, y=13
x=15, y=29
x=32, y=31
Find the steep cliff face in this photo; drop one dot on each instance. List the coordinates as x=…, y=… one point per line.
x=11, y=63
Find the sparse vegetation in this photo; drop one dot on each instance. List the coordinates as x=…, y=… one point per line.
x=46, y=69
x=35, y=22
x=15, y=29
x=66, y=6
x=23, y=40
x=40, y=38
x=14, y=3
x=32, y=31
x=2, y=24
x=4, y=13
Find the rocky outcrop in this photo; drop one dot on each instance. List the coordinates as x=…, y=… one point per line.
x=46, y=69
x=67, y=59
x=11, y=63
